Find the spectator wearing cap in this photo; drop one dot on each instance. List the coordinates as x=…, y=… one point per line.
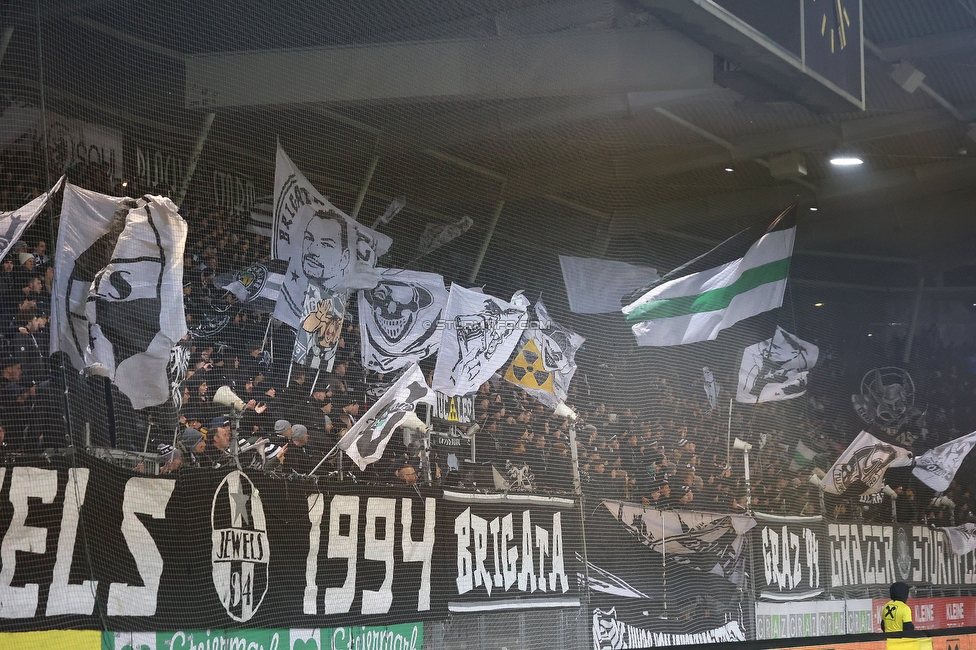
x=406, y=472
x=217, y=453
x=282, y=432
x=297, y=455
x=193, y=445
x=170, y=458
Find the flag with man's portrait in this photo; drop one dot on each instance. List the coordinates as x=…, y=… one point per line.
x=322, y=245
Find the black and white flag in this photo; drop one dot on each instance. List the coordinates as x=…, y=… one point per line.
x=14, y=223
x=90, y=225
x=323, y=246
x=436, y=235
x=480, y=332
x=317, y=338
x=937, y=467
x=863, y=464
x=775, y=369
x=712, y=387
x=707, y=541
x=400, y=319
x=366, y=440
x=135, y=302
x=176, y=371
x=258, y=285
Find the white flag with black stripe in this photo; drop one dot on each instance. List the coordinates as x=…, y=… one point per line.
x=90, y=225
x=863, y=464
x=366, y=440
x=135, y=302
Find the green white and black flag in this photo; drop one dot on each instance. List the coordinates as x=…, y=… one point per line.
x=741, y=277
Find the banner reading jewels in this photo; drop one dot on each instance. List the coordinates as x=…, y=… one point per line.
x=88, y=545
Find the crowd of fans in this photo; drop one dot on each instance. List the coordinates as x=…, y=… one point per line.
x=663, y=444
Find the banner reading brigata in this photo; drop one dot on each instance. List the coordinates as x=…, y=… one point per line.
x=91, y=545
x=514, y=551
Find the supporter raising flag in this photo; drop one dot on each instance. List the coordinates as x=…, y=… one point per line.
x=366, y=440
x=741, y=277
x=862, y=466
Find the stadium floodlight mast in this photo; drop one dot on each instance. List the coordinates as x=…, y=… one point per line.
x=227, y=397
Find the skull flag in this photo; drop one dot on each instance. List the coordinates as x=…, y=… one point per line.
x=862, y=466
x=399, y=319
x=479, y=334
x=135, y=302
x=366, y=440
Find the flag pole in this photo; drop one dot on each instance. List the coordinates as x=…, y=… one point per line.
x=324, y=458
x=728, y=437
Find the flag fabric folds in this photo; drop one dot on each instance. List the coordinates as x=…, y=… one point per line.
x=546, y=361
x=802, y=457
x=366, y=440
x=436, y=235
x=712, y=387
x=962, y=538
x=595, y=286
x=716, y=290
x=90, y=225
x=258, y=285
x=479, y=334
x=863, y=465
x=14, y=223
x=776, y=369
x=937, y=467
x=400, y=319
x=322, y=245
x=135, y=303
x=320, y=328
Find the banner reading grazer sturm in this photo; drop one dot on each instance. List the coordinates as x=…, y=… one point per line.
x=400, y=319
x=213, y=550
x=512, y=552
x=406, y=636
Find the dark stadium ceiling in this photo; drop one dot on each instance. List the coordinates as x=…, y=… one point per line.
x=610, y=107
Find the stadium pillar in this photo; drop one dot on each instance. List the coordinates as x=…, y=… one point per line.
x=191, y=165
x=487, y=241
x=354, y=213
x=914, y=324
x=5, y=41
